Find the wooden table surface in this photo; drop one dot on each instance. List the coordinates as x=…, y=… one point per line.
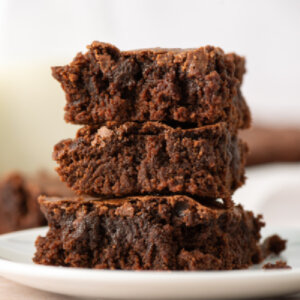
x=13, y=291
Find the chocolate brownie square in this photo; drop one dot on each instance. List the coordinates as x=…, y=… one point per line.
x=148, y=233
x=188, y=87
x=152, y=158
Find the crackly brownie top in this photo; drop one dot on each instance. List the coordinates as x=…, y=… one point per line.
x=186, y=208
x=193, y=60
x=216, y=132
x=206, y=208
x=98, y=136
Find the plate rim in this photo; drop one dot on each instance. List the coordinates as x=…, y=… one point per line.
x=94, y=283
x=13, y=267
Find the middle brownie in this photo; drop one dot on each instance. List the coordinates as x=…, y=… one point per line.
x=149, y=158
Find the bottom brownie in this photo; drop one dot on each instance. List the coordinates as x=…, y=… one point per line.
x=148, y=233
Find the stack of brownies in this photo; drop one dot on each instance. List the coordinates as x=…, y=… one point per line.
x=157, y=162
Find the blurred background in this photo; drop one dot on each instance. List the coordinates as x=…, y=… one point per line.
x=35, y=35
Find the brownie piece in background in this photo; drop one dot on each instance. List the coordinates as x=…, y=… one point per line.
x=150, y=158
x=148, y=233
x=19, y=208
x=271, y=145
x=189, y=87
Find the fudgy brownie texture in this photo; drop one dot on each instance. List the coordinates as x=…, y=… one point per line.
x=188, y=87
x=150, y=158
x=278, y=265
x=270, y=145
x=19, y=208
x=148, y=233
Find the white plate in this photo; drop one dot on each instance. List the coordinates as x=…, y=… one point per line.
x=16, y=252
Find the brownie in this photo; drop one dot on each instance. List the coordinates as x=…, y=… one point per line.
x=19, y=208
x=271, y=145
x=278, y=265
x=148, y=233
x=188, y=87
x=150, y=158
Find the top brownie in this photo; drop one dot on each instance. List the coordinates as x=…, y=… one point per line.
x=182, y=87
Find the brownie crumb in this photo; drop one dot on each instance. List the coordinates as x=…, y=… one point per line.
x=278, y=265
x=273, y=245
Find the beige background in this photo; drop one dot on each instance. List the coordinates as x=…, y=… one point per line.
x=31, y=119
x=37, y=34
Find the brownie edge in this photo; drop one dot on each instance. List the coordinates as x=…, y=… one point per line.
x=147, y=233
